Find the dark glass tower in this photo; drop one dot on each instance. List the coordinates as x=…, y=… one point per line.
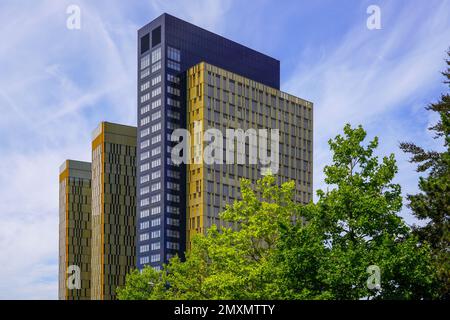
x=167, y=48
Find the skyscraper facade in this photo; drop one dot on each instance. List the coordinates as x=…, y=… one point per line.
x=74, y=230
x=230, y=103
x=167, y=48
x=113, y=208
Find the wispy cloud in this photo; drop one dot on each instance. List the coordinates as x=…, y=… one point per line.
x=374, y=77
x=57, y=84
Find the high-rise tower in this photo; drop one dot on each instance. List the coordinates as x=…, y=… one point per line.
x=113, y=208
x=74, y=230
x=167, y=48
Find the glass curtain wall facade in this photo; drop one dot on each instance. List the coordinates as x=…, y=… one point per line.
x=167, y=48
x=224, y=100
x=113, y=208
x=74, y=230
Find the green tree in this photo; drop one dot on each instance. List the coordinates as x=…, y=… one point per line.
x=232, y=262
x=432, y=204
x=353, y=226
x=275, y=248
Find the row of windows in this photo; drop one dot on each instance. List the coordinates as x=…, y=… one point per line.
x=156, y=55
x=174, y=91
x=157, y=245
x=155, y=104
x=153, y=258
x=145, y=73
x=173, y=186
x=154, y=128
x=173, y=114
x=147, y=212
x=156, y=92
x=156, y=66
x=172, y=78
x=156, y=80
x=173, y=65
x=173, y=102
x=146, y=166
x=173, y=54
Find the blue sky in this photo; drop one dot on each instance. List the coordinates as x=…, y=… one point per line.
x=57, y=84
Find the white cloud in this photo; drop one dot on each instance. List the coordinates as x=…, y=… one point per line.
x=375, y=78
x=55, y=86
x=48, y=110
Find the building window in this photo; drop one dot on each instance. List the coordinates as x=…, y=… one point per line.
x=155, y=257
x=145, y=109
x=156, y=127
x=145, y=121
x=144, y=213
x=145, y=167
x=173, y=222
x=156, y=234
x=156, y=36
x=173, y=65
x=156, y=115
x=156, y=80
x=144, y=248
x=173, y=198
x=145, y=155
x=173, y=245
x=144, y=190
x=145, y=132
x=173, y=210
x=156, y=66
x=156, y=151
x=173, y=234
x=173, y=174
x=156, y=186
x=156, y=246
x=145, y=86
x=145, y=178
x=156, y=174
x=145, y=73
x=172, y=78
x=156, y=163
x=173, y=186
x=173, y=54
x=173, y=91
x=144, y=225
x=144, y=260
x=156, y=139
x=156, y=210
x=144, y=236
x=156, y=103
x=173, y=102
x=156, y=222
x=172, y=126
x=145, y=61
x=145, y=144
x=156, y=91
x=156, y=55
x=173, y=114
x=145, y=97
x=156, y=198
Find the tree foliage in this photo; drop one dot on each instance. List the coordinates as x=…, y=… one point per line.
x=432, y=204
x=275, y=248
